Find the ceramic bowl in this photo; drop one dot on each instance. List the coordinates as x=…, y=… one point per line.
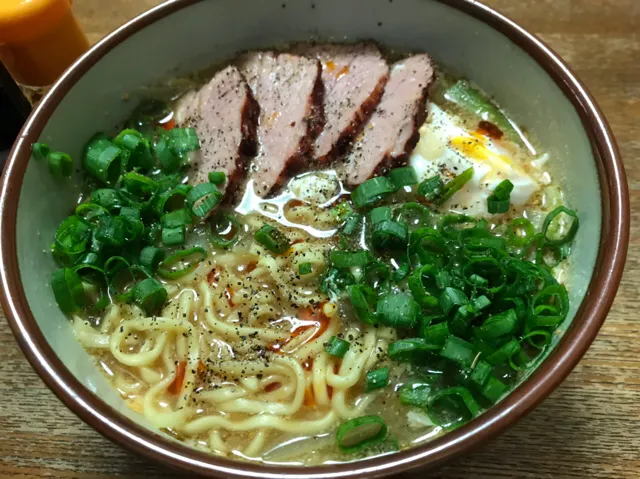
x=180, y=36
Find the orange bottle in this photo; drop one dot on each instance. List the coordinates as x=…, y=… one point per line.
x=39, y=39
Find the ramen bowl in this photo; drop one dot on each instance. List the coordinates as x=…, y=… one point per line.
x=181, y=36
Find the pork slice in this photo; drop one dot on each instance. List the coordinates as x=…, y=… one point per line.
x=392, y=131
x=354, y=77
x=289, y=91
x=224, y=115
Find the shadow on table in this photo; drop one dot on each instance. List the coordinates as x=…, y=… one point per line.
x=536, y=447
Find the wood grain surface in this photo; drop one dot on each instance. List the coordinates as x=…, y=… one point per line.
x=588, y=428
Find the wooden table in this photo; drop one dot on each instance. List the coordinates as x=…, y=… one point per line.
x=588, y=428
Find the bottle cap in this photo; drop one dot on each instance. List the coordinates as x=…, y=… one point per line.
x=39, y=39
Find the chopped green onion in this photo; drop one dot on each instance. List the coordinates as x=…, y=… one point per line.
x=458, y=350
x=348, y=259
x=371, y=191
x=481, y=372
x=351, y=223
x=401, y=272
x=138, y=147
x=272, y=239
x=494, y=389
x=498, y=325
x=363, y=300
x=104, y=160
x=398, y=310
x=60, y=164
x=414, y=215
x=455, y=185
x=520, y=232
x=452, y=298
x=381, y=213
x=475, y=102
x=40, y=151
x=549, y=307
x=491, y=271
x=376, y=274
x=411, y=350
x=431, y=188
x=68, y=290
x=107, y=198
x=182, y=140
x=414, y=394
x=169, y=161
x=217, y=177
x=72, y=236
x=174, y=236
x=423, y=286
x=405, y=176
x=305, y=268
x=452, y=226
x=138, y=185
x=388, y=234
x=335, y=281
x=134, y=226
x=428, y=245
x=224, y=230
x=151, y=257
x=505, y=353
x=341, y=210
x=462, y=319
x=436, y=333
x=472, y=407
x=150, y=295
x=553, y=232
x=174, y=266
x=175, y=219
x=361, y=432
x=376, y=379
x=499, y=201
x=337, y=347
x=171, y=200
x=90, y=212
x=111, y=230
x=202, y=199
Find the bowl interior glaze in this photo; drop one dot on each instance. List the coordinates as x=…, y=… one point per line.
x=198, y=34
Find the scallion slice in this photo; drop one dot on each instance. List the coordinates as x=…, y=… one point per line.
x=171, y=200
x=363, y=300
x=40, y=151
x=389, y=234
x=423, y=286
x=111, y=231
x=498, y=325
x=104, y=160
x=176, y=265
x=138, y=146
x=398, y=310
x=108, y=198
x=376, y=379
x=435, y=333
x=202, y=199
x=499, y=201
x=414, y=215
x=175, y=219
x=337, y=347
x=462, y=393
x=348, y=259
x=305, y=268
x=182, y=140
x=60, y=164
x=351, y=223
x=458, y=350
x=361, y=432
x=554, y=233
x=494, y=389
x=224, y=230
x=411, y=350
x=150, y=295
x=68, y=290
x=218, y=178
x=151, y=257
x=415, y=394
x=381, y=213
x=405, y=176
x=175, y=236
x=431, y=188
x=455, y=185
x=372, y=191
x=272, y=239
x=452, y=298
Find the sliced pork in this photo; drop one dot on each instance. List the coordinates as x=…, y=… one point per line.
x=392, y=131
x=225, y=116
x=289, y=90
x=354, y=77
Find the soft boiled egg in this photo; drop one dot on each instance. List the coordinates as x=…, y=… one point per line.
x=447, y=149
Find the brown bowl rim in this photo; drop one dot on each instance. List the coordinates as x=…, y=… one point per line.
x=112, y=424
